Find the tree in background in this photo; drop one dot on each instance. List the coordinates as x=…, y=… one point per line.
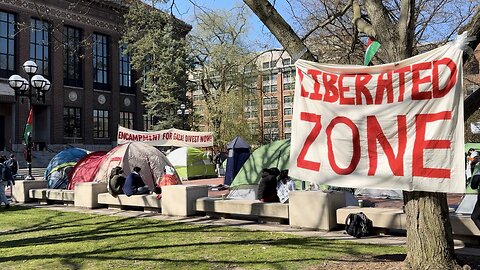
x=401, y=26
x=160, y=54
x=223, y=66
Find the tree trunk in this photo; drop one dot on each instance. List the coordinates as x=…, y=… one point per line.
x=280, y=29
x=429, y=232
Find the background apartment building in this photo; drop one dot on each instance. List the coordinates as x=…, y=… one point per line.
x=268, y=105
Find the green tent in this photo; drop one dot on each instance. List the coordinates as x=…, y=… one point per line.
x=275, y=154
x=191, y=163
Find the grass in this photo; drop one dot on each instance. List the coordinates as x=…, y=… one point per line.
x=43, y=239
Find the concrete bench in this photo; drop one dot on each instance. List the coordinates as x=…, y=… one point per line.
x=148, y=202
x=390, y=218
x=180, y=200
x=315, y=209
x=48, y=196
x=86, y=194
x=249, y=209
x=20, y=191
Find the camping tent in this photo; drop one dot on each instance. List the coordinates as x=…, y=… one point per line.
x=129, y=155
x=59, y=167
x=85, y=169
x=238, y=153
x=191, y=163
x=245, y=183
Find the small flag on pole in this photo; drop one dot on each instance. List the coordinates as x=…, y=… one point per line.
x=28, y=128
x=372, y=49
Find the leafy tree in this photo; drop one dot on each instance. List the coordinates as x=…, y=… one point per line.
x=400, y=26
x=222, y=68
x=159, y=52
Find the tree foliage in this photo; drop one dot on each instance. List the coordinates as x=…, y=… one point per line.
x=161, y=56
x=223, y=66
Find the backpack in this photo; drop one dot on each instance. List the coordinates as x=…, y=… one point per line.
x=12, y=165
x=358, y=225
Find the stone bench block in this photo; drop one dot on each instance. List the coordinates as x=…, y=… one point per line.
x=148, y=202
x=86, y=194
x=463, y=225
x=20, y=192
x=38, y=193
x=315, y=209
x=243, y=207
x=180, y=200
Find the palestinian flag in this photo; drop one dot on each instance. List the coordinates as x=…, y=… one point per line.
x=372, y=49
x=28, y=127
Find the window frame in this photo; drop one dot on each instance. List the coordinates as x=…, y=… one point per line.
x=75, y=114
x=100, y=54
x=101, y=124
x=43, y=63
x=10, y=43
x=125, y=77
x=77, y=65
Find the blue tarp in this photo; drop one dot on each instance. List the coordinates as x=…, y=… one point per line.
x=57, y=170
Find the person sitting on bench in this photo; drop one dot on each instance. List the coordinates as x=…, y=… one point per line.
x=267, y=189
x=134, y=184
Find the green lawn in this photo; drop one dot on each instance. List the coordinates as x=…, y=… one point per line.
x=42, y=239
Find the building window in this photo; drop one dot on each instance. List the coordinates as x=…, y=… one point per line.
x=265, y=65
x=72, y=119
x=39, y=45
x=7, y=44
x=288, y=135
x=148, y=121
x=288, y=111
x=125, y=71
x=100, y=124
x=100, y=61
x=72, y=53
x=288, y=123
x=286, y=62
x=287, y=99
x=126, y=119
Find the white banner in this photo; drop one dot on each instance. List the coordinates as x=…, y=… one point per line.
x=167, y=137
x=392, y=126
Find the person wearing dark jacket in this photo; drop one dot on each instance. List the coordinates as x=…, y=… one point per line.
x=134, y=184
x=267, y=189
x=116, y=182
x=475, y=181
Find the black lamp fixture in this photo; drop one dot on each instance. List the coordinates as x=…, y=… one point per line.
x=24, y=88
x=183, y=112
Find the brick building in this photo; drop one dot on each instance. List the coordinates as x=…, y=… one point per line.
x=76, y=46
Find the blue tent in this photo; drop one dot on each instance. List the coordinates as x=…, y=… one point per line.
x=238, y=153
x=57, y=170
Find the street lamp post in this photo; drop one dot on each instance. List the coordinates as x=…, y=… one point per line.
x=183, y=112
x=24, y=88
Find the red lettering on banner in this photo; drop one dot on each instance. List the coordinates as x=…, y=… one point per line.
x=420, y=144
x=356, y=145
x=314, y=73
x=416, y=81
x=401, y=81
x=361, y=82
x=303, y=93
x=437, y=92
x=331, y=92
x=375, y=133
x=382, y=86
x=342, y=89
x=301, y=161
